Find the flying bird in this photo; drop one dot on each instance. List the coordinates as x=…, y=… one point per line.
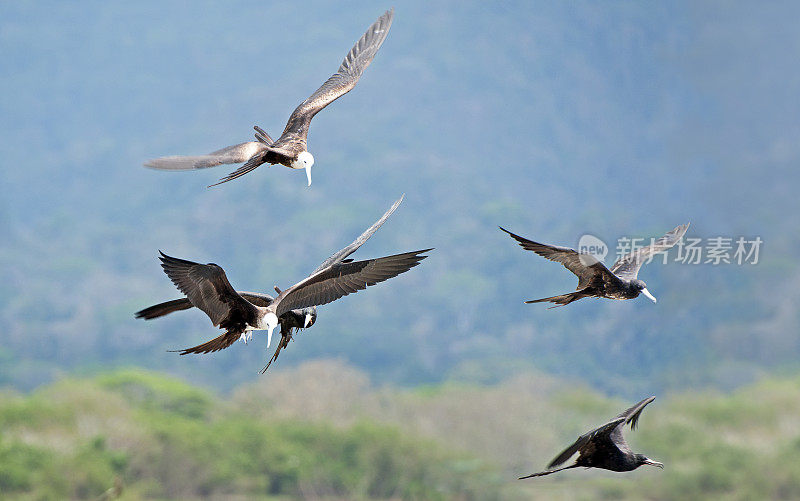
x=207, y=287
x=594, y=279
x=290, y=322
x=290, y=149
x=604, y=447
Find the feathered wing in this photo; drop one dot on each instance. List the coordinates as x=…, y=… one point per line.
x=630, y=416
x=586, y=444
x=257, y=298
x=583, y=440
x=206, y=287
x=235, y=154
x=627, y=267
x=340, y=255
x=252, y=164
x=585, y=266
x=341, y=82
x=342, y=279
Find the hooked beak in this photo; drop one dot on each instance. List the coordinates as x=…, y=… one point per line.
x=649, y=296
x=272, y=321
x=269, y=335
x=307, y=321
x=308, y=174
x=654, y=463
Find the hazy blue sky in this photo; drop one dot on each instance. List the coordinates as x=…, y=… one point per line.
x=552, y=119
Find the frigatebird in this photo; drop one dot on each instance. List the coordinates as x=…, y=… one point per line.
x=290, y=322
x=291, y=147
x=594, y=279
x=604, y=447
x=207, y=287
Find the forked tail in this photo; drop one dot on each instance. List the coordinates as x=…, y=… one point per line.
x=161, y=309
x=543, y=473
x=563, y=299
x=286, y=336
x=262, y=136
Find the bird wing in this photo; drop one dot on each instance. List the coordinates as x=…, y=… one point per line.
x=341, y=82
x=231, y=155
x=340, y=255
x=341, y=279
x=627, y=267
x=630, y=415
x=582, y=442
x=585, y=266
x=205, y=285
x=257, y=298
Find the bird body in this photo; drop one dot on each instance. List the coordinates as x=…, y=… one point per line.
x=291, y=148
x=290, y=322
x=594, y=279
x=604, y=447
x=207, y=288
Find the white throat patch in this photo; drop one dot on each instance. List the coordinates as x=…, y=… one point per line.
x=304, y=160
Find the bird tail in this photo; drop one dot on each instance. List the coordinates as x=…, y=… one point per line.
x=286, y=336
x=161, y=309
x=262, y=136
x=563, y=299
x=543, y=473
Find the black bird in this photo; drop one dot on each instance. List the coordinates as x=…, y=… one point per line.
x=290, y=322
x=291, y=148
x=604, y=447
x=594, y=279
x=206, y=287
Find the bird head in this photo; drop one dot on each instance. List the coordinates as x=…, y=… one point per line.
x=642, y=459
x=271, y=321
x=641, y=287
x=309, y=317
x=304, y=160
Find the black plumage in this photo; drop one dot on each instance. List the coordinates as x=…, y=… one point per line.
x=594, y=279
x=604, y=447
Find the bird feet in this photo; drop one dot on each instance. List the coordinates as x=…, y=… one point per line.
x=246, y=336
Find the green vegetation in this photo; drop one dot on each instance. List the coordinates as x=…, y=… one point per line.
x=164, y=439
x=322, y=431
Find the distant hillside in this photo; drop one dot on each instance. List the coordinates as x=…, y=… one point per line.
x=553, y=120
x=323, y=431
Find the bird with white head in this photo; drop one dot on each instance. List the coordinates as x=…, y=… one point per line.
x=290, y=149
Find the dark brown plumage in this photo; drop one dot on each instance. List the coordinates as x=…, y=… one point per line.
x=207, y=288
x=290, y=149
x=604, y=447
x=290, y=321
